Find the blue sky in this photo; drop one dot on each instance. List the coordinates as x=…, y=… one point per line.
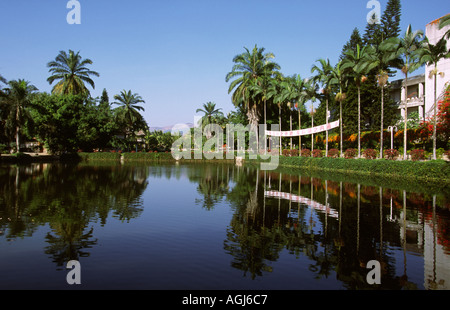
x=176, y=53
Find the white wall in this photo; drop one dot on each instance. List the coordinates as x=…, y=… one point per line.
x=434, y=34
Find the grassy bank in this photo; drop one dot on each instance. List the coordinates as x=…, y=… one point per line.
x=436, y=170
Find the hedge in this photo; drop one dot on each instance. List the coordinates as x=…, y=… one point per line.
x=436, y=170
x=98, y=156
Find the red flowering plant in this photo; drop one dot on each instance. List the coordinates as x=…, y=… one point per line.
x=425, y=131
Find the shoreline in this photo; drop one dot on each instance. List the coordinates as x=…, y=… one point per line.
x=428, y=170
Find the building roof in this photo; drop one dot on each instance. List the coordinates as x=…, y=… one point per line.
x=437, y=20
x=411, y=81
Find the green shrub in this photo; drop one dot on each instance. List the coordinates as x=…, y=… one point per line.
x=99, y=156
x=150, y=156
x=436, y=170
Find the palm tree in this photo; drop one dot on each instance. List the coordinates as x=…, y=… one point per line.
x=4, y=81
x=431, y=54
x=260, y=88
x=444, y=22
x=248, y=67
x=275, y=93
x=338, y=77
x=71, y=72
x=299, y=96
x=358, y=64
x=324, y=76
x=128, y=111
x=18, y=95
x=209, y=110
x=311, y=93
x=286, y=96
x=381, y=57
x=408, y=49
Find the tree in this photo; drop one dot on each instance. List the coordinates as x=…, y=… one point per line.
x=390, y=21
x=381, y=57
x=128, y=112
x=431, y=54
x=71, y=72
x=311, y=90
x=445, y=22
x=18, y=95
x=408, y=49
x=210, y=112
x=357, y=64
x=389, y=26
x=248, y=67
x=338, y=77
x=294, y=91
x=275, y=93
x=324, y=76
x=104, y=99
x=355, y=40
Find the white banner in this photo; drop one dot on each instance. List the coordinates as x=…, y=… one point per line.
x=303, y=132
x=294, y=198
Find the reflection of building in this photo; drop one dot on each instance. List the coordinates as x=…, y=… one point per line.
x=421, y=87
x=418, y=236
x=436, y=258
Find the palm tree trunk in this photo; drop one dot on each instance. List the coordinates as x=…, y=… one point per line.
x=17, y=128
x=279, y=116
x=326, y=133
x=382, y=120
x=359, y=122
x=435, y=108
x=405, y=131
x=290, y=120
x=299, y=128
x=312, y=126
x=265, y=127
x=340, y=120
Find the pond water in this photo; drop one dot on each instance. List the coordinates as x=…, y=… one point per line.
x=216, y=226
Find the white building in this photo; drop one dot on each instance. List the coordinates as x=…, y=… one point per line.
x=421, y=87
x=434, y=35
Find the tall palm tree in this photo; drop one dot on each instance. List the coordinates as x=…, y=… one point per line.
x=275, y=93
x=299, y=96
x=357, y=63
x=18, y=95
x=260, y=88
x=444, y=22
x=381, y=57
x=338, y=77
x=71, y=72
x=324, y=77
x=311, y=93
x=128, y=111
x=248, y=67
x=4, y=81
x=210, y=112
x=431, y=55
x=408, y=48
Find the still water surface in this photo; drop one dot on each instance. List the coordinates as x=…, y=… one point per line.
x=215, y=226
